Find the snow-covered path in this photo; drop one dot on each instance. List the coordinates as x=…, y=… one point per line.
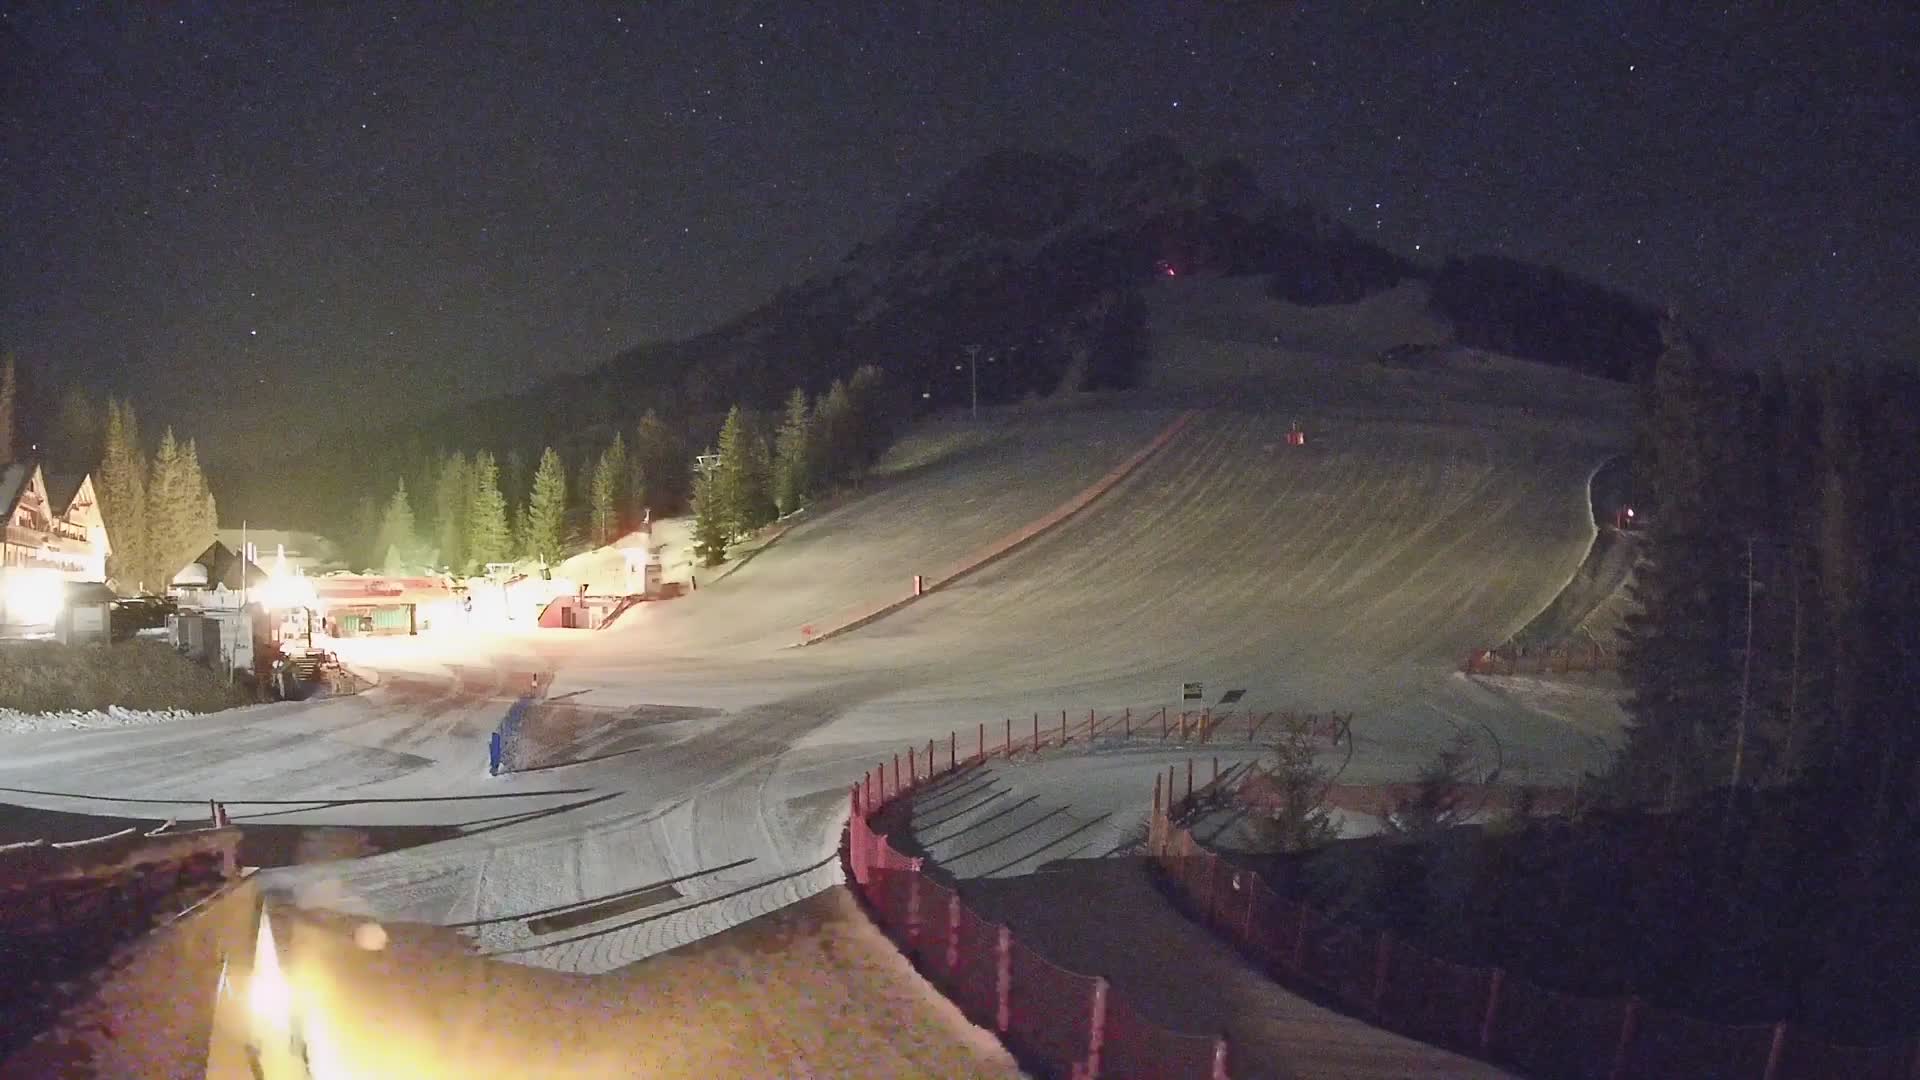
x=1428, y=514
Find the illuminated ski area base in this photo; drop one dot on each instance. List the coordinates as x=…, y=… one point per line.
x=1428, y=513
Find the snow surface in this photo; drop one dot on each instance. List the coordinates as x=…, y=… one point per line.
x=1429, y=513
x=13, y=722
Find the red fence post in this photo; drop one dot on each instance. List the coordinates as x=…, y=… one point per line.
x=1063, y=729
x=1300, y=937
x=913, y=913
x=1092, y=724
x=1216, y=768
x=1493, y=1009
x=1003, y=978
x=982, y=752
x=1206, y=723
x=1007, y=750
x=854, y=846
x=1219, y=1058
x=953, y=750
x=1382, y=961
x=913, y=770
x=1163, y=723
x=1246, y=921
x=1628, y=1018
x=953, y=933
x=1126, y=723
x=1189, y=779
x=896, y=774
x=1036, y=733
x=1211, y=862
x=930, y=745
x=1096, y=1027
x=1774, y=1050
x=1170, y=810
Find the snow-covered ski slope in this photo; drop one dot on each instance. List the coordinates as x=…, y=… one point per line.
x=1430, y=511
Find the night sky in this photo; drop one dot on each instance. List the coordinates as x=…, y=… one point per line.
x=268, y=222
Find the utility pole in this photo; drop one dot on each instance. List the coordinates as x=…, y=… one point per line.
x=1793, y=685
x=973, y=378
x=1746, y=683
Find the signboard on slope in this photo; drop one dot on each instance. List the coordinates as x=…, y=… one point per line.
x=1192, y=691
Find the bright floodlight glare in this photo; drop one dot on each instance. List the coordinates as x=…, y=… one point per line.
x=289, y=591
x=268, y=994
x=34, y=595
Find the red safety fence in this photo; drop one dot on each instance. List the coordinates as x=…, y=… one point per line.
x=1483, y=1011
x=1067, y=1023
x=1037, y=731
x=1556, y=660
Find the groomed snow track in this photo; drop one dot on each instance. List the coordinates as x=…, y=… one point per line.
x=1429, y=512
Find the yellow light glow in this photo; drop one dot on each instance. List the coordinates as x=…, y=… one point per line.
x=289, y=591
x=34, y=595
x=268, y=994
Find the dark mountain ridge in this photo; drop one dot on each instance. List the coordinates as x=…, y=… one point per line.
x=1032, y=260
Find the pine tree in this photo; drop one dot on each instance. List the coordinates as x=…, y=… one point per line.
x=711, y=532
x=170, y=511
x=759, y=506
x=834, y=431
x=365, y=531
x=661, y=466
x=544, y=527
x=452, y=498
x=122, y=489
x=202, y=514
x=396, y=543
x=793, y=456
x=871, y=427
x=514, y=481
x=740, y=478
x=606, y=490
x=8, y=391
x=78, y=431
x=1680, y=657
x=488, y=540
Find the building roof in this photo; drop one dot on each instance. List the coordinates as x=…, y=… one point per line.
x=308, y=551
x=223, y=567
x=89, y=592
x=62, y=486
x=13, y=481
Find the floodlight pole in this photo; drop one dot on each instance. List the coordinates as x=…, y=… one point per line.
x=1746, y=683
x=973, y=377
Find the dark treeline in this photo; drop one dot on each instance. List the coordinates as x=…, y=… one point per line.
x=158, y=510
x=1789, y=496
x=459, y=512
x=1747, y=857
x=1772, y=672
x=1546, y=314
x=1502, y=305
